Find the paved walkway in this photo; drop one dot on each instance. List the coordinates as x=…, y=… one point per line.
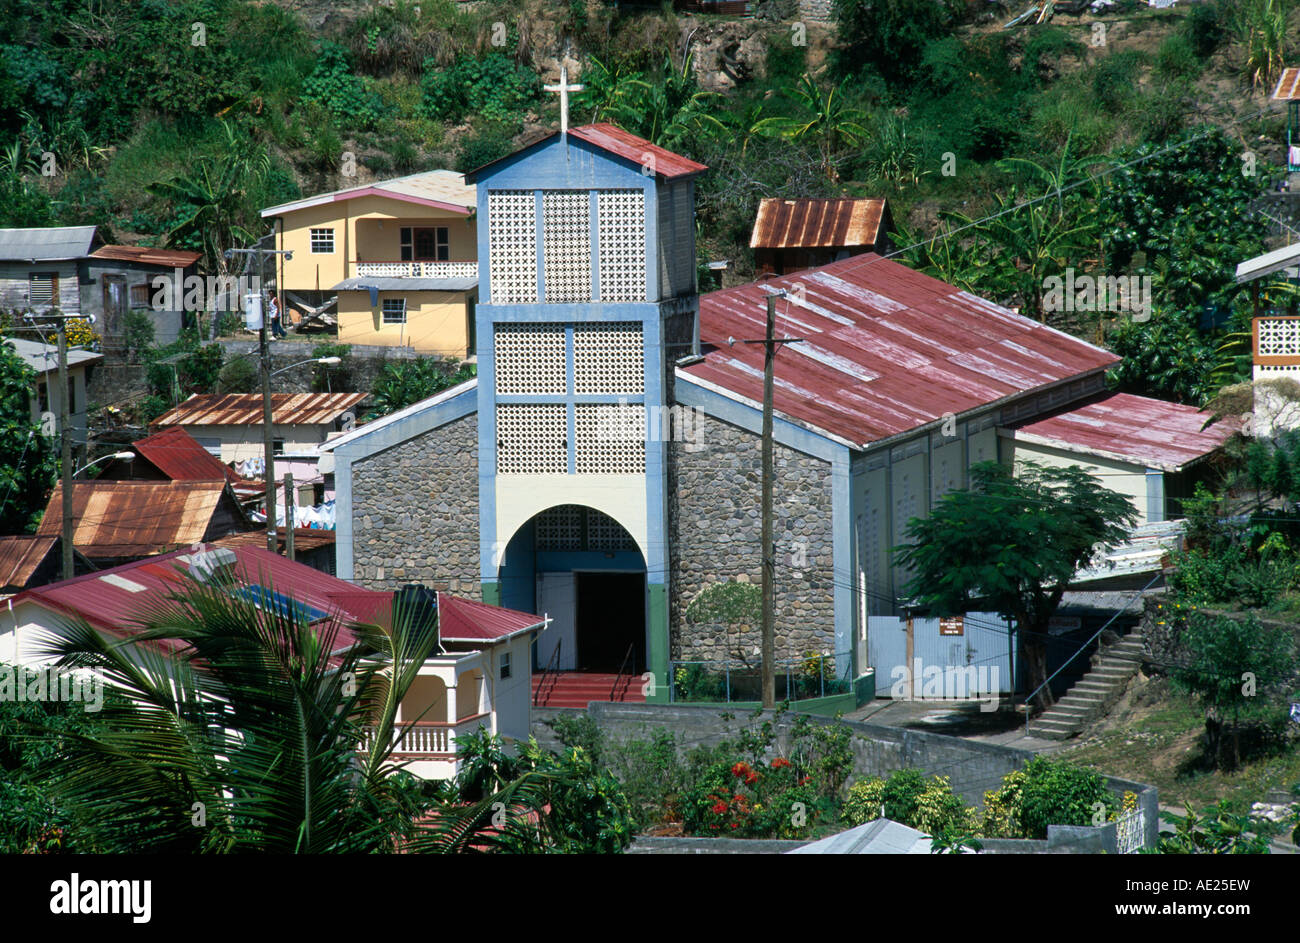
x=957, y=719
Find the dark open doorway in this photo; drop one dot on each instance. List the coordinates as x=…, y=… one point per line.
x=610, y=618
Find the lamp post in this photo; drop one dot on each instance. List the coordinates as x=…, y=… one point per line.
x=121, y=456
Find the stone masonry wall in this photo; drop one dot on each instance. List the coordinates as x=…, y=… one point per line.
x=714, y=530
x=415, y=512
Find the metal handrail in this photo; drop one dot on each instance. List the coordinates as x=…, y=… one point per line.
x=552, y=671
x=613, y=691
x=1065, y=664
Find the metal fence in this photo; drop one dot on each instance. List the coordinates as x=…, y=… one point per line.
x=721, y=682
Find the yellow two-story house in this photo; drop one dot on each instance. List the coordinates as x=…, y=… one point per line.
x=400, y=256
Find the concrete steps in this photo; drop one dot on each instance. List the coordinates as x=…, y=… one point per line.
x=1094, y=694
x=580, y=688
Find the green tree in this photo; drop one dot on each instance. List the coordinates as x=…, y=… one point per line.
x=403, y=382
x=1012, y=542
x=28, y=457
x=825, y=119
x=1237, y=669
x=890, y=36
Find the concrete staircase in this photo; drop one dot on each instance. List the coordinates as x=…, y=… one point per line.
x=580, y=688
x=1094, y=694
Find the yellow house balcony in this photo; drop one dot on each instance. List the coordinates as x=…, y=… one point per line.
x=397, y=269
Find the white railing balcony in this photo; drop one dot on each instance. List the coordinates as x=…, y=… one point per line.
x=391, y=269
x=426, y=738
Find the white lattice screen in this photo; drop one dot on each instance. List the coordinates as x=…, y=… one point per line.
x=1279, y=337
x=530, y=358
x=608, y=358
x=621, y=233
x=573, y=527
x=609, y=439
x=559, y=528
x=531, y=439
x=512, y=246
x=566, y=245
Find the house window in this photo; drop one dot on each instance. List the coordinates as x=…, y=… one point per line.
x=429, y=244
x=394, y=311
x=505, y=665
x=277, y=446
x=42, y=288
x=140, y=295
x=322, y=241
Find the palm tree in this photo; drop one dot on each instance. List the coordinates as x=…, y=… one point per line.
x=239, y=728
x=827, y=120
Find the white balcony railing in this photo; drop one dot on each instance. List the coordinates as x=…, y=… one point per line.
x=417, y=269
x=426, y=738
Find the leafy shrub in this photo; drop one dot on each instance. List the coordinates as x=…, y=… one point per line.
x=238, y=376
x=1216, y=831
x=491, y=142
x=403, y=382
x=1205, y=28
x=492, y=86
x=864, y=802
x=1114, y=79
x=345, y=96
x=1060, y=794
x=1002, y=808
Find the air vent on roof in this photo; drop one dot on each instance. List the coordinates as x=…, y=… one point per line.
x=420, y=604
x=206, y=564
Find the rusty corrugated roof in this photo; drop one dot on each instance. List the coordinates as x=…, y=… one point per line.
x=245, y=409
x=887, y=349
x=1136, y=429
x=810, y=223
x=177, y=454
x=173, y=258
x=304, y=539
x=114, y=519
x=20, y=556
x=1288, y=86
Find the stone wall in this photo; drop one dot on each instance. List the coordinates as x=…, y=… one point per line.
x=1163, y=621
x=415, y=512
x=714, y=529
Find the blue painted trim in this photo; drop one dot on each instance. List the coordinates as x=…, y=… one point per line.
x=751, y=419
x=656, y=478
x=540, y=245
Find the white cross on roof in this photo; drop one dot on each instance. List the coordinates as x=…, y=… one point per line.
x=564, y=88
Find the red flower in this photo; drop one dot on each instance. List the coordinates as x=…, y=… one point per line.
x=719, y=808
x=780, y=762
x=741, y=769
x=805, y=781
x=735, y=825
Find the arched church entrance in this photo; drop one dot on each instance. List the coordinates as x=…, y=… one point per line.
x=583, y=570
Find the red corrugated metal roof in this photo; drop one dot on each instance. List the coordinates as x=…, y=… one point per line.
x=1135, y=429
x=112, y=599
x=887, y=348
x=809, y=223
x=114, y=519
x=173, y=258
x=177, y=455
x=245, y=409
x=664, y=163
x=463, y=620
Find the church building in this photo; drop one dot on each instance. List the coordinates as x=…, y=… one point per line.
x=603, y=469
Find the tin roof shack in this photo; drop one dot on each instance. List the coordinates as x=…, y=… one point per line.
x=400, y=256
x=68, y=267
x=47, y=392
x=27, y=561
x=118, y=521
x=792, y=235
x=134, y=279
x=230, y=426
x=1150, y=450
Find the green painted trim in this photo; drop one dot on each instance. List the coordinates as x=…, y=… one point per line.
x=657, y=640
x=492, y=592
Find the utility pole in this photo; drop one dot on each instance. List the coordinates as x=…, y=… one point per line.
x=768, y=556
x=264, y=353
x=288, y=514
x=65, y=445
